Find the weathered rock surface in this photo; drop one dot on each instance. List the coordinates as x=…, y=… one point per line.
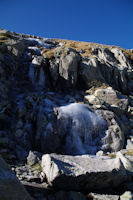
x=68, y=68
x=10, y=187
x=83, y=172
x=67, y=97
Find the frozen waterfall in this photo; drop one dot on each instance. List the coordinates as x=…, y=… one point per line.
x=82, y=128
x=36, y=72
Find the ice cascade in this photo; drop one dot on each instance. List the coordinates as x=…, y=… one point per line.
x=83, y=128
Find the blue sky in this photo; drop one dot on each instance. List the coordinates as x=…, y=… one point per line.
x=101, y=21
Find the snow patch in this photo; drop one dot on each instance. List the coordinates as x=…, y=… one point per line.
x=40, y=42
x=35, y=50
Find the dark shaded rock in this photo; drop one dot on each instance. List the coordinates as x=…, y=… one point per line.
x=10, y=187
x=63, y=195
x=54, y=71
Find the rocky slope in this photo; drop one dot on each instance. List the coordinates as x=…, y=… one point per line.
x=72, y=103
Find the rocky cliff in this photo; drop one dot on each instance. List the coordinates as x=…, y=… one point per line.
x=73, y=102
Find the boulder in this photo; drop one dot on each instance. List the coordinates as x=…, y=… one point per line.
x=83, y=173
x=10, y=187
x=68, y=68
x=108, y=95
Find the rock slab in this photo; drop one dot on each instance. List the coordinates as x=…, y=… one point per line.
x=83, y=173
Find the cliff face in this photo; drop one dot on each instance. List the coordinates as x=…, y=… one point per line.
x=66, y=97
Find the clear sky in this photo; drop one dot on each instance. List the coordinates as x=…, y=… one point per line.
x=101, y=21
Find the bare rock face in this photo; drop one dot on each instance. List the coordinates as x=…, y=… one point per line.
x=90, y=72
x=110, y=66
x=10, y=187
x=83, y=172
x=68, y=68
x=66, y=97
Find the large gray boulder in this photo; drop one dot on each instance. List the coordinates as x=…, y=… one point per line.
x=83, y=173
x=10, y=187
x=68, y=68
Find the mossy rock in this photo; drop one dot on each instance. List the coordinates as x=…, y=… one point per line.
x=37, y=167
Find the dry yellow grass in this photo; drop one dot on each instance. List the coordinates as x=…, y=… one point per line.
x=78, y=46
x=129, y=152
x=4, y=37
x=88, y=47
x=49, y=53
x=128, y=53
x=112, y=155
x=3, y=41
x=6, y=34
x=85, y=48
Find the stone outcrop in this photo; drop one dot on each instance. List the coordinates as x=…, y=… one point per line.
x=68, y=68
